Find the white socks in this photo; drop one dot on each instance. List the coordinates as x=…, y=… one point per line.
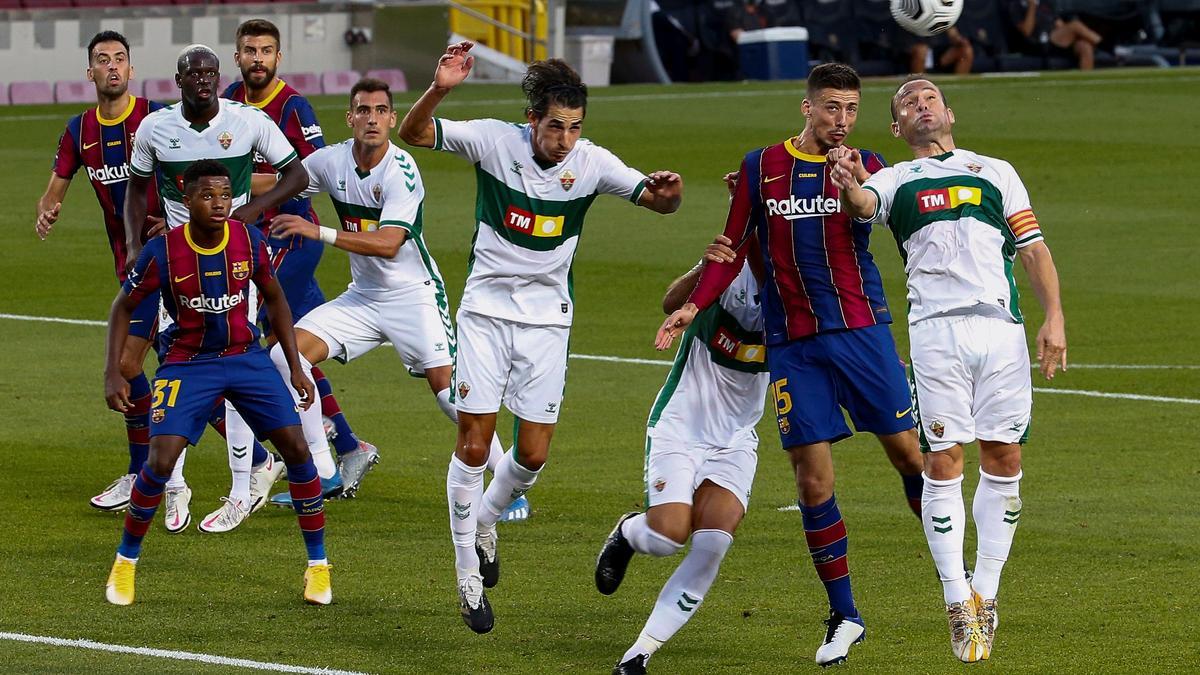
x=464, y=491
x=944, y=519
x=176, y=480
x=997, y=509
x=683, y=592
x=495, y=453
x=645, y=540
x=310, y=420
x=510, y=481
x=239, y=440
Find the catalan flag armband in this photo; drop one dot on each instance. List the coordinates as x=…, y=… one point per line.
x=1025, y=228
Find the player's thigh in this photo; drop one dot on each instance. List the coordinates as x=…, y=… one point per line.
x=1003, y=384
x=539, y=372
x=258, y=392
x=942, y=382
x=804, y=392
x=182, y=397
x=871, y=383
x=670, y=468
x=420, y=332
x=716, y=507
x=482, y=362
x=348, y=325
x=725, y=480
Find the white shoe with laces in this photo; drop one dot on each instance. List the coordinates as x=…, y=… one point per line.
x=178, y=512
x=116, y=496
x=230, y=515
x=261, y=481
x=840, y=634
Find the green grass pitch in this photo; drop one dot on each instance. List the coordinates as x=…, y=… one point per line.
x=1104, y=570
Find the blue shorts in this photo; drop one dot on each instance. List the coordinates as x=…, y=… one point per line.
x=295, y=260
x=144, y=321
x=813, y=378
x=184, y=395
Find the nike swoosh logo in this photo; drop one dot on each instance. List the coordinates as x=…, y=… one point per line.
x=309, y=505
x=902, y=413
x=89, y=146
x=769, y=180
x=183, y=279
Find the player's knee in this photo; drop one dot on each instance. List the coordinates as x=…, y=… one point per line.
x=474, y=451
x=814, y=488
x=942, y=466
x=677, y=529
x=533, y=458
x=290, y=443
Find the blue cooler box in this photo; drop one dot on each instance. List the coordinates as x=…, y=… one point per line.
x=774, y=53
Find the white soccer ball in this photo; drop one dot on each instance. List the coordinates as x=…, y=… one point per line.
x=926, y=17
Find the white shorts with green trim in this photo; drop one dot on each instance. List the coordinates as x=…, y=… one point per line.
x=675, y=468
x=353, y=324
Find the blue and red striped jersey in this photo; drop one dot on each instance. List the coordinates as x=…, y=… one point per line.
x=205, y=290
x=296, y=118
x=819, y=274
x=103, y=147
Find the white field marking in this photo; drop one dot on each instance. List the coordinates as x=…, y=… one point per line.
x=664, y=363
x=173, y=655
x=889, y=85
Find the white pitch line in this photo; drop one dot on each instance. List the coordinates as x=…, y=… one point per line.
x=664, y=363
x=173, y=655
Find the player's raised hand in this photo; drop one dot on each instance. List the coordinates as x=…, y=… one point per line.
x=675, y=324
x=663, y=193
x=731, y=181
x=46, y=220
x=304, y=387
x=846, y=167
x=454, y=66
x=719, y=251
x=286, y=224
x=116, y=392
x=1052, y=347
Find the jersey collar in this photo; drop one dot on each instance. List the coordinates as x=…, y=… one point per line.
x=790, y=144
x=187, y=235
x=119, y=118
x=266, y=101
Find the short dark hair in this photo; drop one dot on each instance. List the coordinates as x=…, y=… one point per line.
x=204, y=168
x=258, y=27
x=832, y=76
x=370, y=84
x=106, y=36
x=553, y=82
x=914, y=78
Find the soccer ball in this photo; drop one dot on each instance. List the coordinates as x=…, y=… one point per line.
x=926, y=17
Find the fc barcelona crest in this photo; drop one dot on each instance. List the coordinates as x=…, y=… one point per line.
x=566, y=179
x=158, y=415
x=240, y=269
x=377, y=192
x=225, y=139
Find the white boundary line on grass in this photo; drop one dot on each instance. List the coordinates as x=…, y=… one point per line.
x=663, y=362
x=173, y=655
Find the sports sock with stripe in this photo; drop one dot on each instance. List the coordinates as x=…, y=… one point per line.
x=828, y=545
x=143, y=502
x=344, y=439
x=944, y=519
x=137, y=422
x=996, y=510
x=305, y=488
x=464, y=491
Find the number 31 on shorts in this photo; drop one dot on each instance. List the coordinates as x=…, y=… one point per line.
x=168, y=389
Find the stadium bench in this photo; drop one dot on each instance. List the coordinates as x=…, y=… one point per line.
x=308, y=84
x=338, y=81
x=74, y=91
x=21, y=93
x=161, y=89
x=393, y=76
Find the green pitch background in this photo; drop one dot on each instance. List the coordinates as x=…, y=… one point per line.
x=1104, y=571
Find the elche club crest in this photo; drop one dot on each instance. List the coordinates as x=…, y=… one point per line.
x=377, y=192
x=937, y=428
x=566, y=179
x=463, y=389
x=225, y=139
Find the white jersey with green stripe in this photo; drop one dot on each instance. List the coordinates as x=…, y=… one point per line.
x=390, y=195
x=166, y=143
x=715, y=391
x=958, y=219
x=529, y=217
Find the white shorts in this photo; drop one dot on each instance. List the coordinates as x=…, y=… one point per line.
x=972, y=378
x=353, y=324
x=522, y=365
x=675, y=468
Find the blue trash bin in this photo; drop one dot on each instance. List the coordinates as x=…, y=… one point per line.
x=774, y=53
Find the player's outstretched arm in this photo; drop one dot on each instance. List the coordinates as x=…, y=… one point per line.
x=1052, y=337
x=663, y=193
x=293, y=179
x=50, y=204
x=418, y=128
x=280, y=317
x=116, y=387
x=382, y=243
x=847, y=167
x=681, y=288
x=135, y=216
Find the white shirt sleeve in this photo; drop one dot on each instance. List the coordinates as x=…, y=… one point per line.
x=402, y=195
x=615, y=178
x=270, y=141
x=1017, y=210
x=142, y=160
x=314, y=165
x=883, y=184
x=472, y=140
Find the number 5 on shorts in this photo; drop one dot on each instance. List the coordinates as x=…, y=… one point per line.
x=783, y=400
x=160, y=394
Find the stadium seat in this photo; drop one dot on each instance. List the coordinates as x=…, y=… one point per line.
x=96, y=3
x=3, y=94
x=338, y=81
x=161, y=89
x=21, y=93
x=74, y=91
x=308, y=84
x=393, y=76
x=46, y=4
